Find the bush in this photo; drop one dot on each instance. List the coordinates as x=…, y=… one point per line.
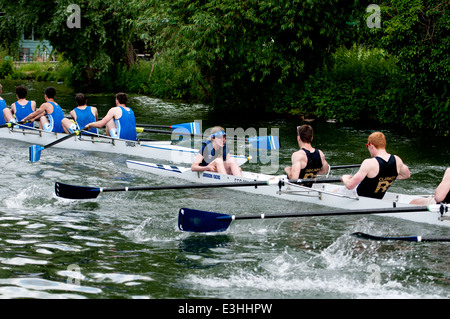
x=6, y=68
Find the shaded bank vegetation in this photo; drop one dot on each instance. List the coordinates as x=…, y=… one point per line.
x=294, y=58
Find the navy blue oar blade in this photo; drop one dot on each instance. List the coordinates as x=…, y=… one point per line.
x=192, y=220
x=76, y=192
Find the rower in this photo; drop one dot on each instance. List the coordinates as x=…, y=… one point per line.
x=308, y=162
x=120, y=121
x=22, y=107
x=2, y=109
x=81, y=115
x=378, y=173
x=441, y=195
x=49, y=113
x=215, y=155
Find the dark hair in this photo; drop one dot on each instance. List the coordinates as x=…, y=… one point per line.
x=122, y=98
x=50, y=92
x=80, y=98
x=21, y=92
x=306, y=133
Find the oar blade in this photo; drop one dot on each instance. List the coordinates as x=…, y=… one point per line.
x=193, y=127
x=265, y=142
x=75, y=192
x=192, y=220
x=35, y=153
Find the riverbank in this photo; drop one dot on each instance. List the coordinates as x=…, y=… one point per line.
x=357, y=86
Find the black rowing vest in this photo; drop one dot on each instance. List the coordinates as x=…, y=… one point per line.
x=313, y=166
x=446, y=199
x=376, y=187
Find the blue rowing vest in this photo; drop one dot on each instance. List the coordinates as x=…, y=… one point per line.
x=126, y=125
x=85, y=117
x=22, y=111
x=2, y=107
x=209, y=153
x=55, y=118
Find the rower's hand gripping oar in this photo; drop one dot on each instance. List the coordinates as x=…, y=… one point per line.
x=192, y=220
x=35, y=150
x=11, y=124
x=261, y=142
x=87, y=192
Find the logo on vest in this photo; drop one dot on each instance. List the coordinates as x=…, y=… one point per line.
x=384, y=183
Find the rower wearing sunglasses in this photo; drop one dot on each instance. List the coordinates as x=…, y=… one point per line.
x=379, y=172
x=215, y=155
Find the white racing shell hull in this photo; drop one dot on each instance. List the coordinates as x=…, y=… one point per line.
x=331, y=195
x=159, y=150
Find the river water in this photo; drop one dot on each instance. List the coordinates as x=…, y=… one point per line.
x=127, y=245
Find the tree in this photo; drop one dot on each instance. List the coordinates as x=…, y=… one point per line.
x=101, y=43
x=244, y=49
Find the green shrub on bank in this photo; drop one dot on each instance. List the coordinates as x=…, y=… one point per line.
x=361, y=85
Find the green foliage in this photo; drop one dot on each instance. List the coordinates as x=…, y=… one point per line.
x=241, y=48
x=6, y=68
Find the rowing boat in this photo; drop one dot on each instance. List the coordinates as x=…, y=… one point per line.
x=159, y=150
x=325, y=194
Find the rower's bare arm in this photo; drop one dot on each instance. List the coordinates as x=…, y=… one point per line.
x=352, y=181
x=294, y=171
x=443, y=188
x=108, y=117
x=325, y=167
x=403, y=172
x=196, y=167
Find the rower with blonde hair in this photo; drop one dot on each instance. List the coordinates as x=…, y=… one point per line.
x=215, y=155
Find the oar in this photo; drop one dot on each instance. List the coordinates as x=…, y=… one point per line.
x=35, y=150
x=193, y=220
x=87, y=192
x=11, y=124
x=192, y=127
x=262, y=142
x=406, y=238
x=345, y=166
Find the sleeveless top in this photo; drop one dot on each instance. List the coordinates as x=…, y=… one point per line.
x=209, y=153
x=55, y=118
x=126, y=125
x=313, y=166
x=376, y=187
x=446, y=199
x=2, y=107
x=22, y=111
x=85, y=117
